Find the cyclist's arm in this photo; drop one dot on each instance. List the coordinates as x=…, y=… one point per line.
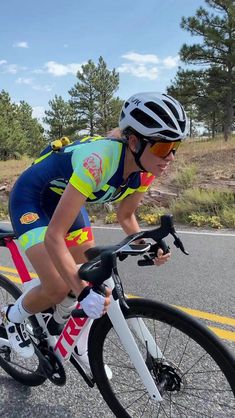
x=127, y=219
x=126, y=213
x=64, y=216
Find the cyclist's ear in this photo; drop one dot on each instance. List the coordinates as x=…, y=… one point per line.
x=134, y=143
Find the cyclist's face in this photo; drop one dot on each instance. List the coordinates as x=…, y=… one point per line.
x=154, y=164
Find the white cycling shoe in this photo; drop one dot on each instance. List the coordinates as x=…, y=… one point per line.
x=83, y=360
x=17, y=336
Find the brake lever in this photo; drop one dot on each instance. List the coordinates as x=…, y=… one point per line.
x=179, y=244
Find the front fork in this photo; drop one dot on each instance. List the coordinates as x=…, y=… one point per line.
x=123, y=331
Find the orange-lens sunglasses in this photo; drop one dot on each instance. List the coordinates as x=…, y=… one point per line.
x=163, y=149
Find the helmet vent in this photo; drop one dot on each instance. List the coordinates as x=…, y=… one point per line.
x=182, y=125
x=122, y=115
x=126, y=104
x=172, y=108
x=161, y=113
x=169, y=134
x=144, y=119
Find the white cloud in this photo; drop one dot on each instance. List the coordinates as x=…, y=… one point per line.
x=22, y=80
x=59, y=70
x=38, y=71
x=147, y=65
x=22, y=44
x=40, y=87
x=141, y=58
x=171, y=62
x=11, y=68
x=141, y=71
x=31, y=82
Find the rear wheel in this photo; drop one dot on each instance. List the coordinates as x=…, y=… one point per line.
x=25, y=371
x=195, y=375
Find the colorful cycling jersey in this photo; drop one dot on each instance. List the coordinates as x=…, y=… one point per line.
x=93, y=165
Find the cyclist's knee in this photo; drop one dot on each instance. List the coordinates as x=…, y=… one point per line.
x=55, y=294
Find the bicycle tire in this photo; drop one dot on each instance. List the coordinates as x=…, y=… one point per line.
x=34, y=378
x=197, y=335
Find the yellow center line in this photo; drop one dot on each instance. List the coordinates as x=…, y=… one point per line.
x=14, y=271
x=209, y=316
x=224, y=334
x=13, y=278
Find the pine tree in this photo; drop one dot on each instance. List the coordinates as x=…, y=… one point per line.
x=106, y=84
x=84, y=96
x=34, y=140
x=60, y=118
x=92, y=97
x=217, y=49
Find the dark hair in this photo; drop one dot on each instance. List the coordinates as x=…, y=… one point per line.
x=130, y=131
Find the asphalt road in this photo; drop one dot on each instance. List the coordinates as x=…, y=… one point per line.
x=202, y=282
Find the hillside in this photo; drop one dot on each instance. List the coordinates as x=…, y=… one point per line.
x=208, y=165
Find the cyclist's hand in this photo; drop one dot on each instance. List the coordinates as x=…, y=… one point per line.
x=94, y=304
x=161, y=257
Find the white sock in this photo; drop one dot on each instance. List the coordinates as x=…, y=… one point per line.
x=17, y=313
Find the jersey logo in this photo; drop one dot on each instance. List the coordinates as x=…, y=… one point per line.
x=29, y=218
x=94, y=165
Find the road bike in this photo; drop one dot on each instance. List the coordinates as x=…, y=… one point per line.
x=147, y=359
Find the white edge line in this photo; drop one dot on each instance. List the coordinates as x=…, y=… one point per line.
x=177, y=230
x=213, y=234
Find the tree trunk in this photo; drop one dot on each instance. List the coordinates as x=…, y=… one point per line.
x=228, y=120
x=213, y=125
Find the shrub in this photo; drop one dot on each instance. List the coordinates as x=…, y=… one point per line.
x=93, y=218
x=111, y=218
x=3, y=211
x=228, y=217
x=197, y=219
x=215, y=222
x=186, y=176
x=152, y=218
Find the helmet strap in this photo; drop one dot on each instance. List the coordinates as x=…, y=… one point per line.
x=137, y=154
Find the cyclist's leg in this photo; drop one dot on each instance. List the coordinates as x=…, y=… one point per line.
x=80, y=237
x=53, y=288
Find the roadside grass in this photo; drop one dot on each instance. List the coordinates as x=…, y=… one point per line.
x=185, y=176
x=212, y=208
x=197, y=147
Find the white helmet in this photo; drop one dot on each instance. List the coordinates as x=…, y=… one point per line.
x=154, y=115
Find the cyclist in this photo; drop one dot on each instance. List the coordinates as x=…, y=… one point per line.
x=47, y=203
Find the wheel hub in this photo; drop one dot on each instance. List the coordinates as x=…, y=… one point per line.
x=168, y=377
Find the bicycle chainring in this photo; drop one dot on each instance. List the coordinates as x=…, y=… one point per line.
x=53, y=367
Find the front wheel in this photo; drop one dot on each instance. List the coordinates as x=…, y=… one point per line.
x=194, y=372
x=27, y=372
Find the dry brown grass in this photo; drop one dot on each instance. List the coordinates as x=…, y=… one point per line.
x=11, y=169
x=214, y=160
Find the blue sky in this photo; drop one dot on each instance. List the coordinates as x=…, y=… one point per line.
x=44, y=43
